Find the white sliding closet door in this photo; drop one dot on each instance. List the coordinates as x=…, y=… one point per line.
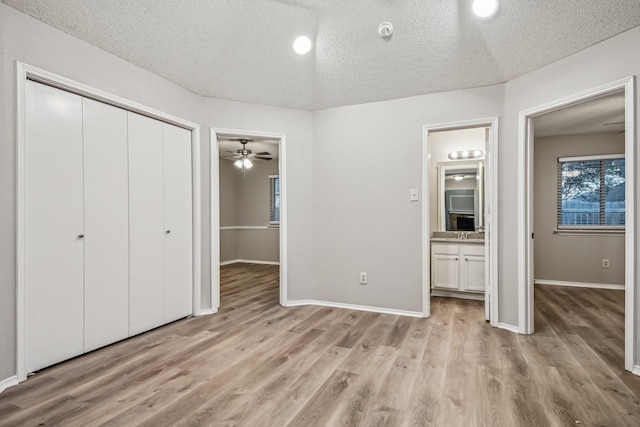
x=178, y=260
x=106, y=205
x=54, y=225
x=146, y=224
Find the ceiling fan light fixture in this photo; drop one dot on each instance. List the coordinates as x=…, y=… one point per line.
x=243, y=162
x=485, y=9
x=301, y=45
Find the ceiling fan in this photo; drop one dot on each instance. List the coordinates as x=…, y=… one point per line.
x=245, y=156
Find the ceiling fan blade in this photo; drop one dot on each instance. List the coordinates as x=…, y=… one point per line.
x=232, y=152
x=263, y=158
x=264, y=153
x=613, y=123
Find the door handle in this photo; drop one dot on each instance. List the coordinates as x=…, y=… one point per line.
x=168, y=232
x=80, y=236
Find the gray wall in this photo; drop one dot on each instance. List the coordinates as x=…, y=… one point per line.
x=228, y=211
x=569, y=257
x=366, y=158
x=245, y=202
x=297, y=125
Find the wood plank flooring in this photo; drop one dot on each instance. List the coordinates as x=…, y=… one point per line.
x=258, y=364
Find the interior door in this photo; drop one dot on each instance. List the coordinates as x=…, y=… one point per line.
x=54, y=226
x=146, y=224
x=106, y=207
x=178, y=259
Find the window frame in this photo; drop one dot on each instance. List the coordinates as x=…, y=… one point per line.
x=272, y=199
x=585, y=229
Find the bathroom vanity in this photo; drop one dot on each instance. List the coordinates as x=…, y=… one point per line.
x=458, y=265
x=458, y=245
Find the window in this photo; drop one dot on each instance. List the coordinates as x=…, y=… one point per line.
x=591, y=192
x=274, y=200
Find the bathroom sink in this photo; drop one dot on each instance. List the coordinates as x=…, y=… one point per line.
x=457, y=235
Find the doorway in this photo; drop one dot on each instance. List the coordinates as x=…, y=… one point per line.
x=459, y=191
x=527, y=132
x=248, y=171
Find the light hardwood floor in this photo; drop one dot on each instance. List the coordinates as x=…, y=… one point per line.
x=258, y=364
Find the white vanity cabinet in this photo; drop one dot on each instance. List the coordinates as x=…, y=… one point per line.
x=457, y=269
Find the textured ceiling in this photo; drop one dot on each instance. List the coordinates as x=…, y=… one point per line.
x=605, y=114
x=241, y=49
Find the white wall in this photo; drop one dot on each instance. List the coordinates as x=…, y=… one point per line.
x=569, y=257
x=366, y=158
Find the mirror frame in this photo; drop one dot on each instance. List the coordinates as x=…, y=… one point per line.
x=443, y=169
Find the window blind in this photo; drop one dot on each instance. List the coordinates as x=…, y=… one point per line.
x=591, y=192
x=274, y=199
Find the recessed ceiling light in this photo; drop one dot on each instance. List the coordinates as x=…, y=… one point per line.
x=485, y=9
x=301, y=45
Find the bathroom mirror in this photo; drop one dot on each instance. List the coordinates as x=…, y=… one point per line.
x=460, y=196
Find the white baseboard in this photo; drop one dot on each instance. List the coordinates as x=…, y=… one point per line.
x=8, y=382
x=636, y=370
x=578, y=284
x=355, y=307
x=509, y=328
x=249, y=261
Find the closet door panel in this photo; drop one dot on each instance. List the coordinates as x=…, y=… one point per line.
x=54, y=224
x=178, y=259
x=106, y=207
x=146, y=225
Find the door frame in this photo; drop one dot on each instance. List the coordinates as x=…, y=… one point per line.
x=214, y=181
x=490, y=212
x=525, y=208
x=26, y=72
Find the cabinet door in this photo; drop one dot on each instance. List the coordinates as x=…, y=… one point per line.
x=473, y=273
x=178, y=259
x=106, y=224
x=445, y=271
x=54, y=224
x=146, y=224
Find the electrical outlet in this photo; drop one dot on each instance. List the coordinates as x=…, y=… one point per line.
x=363, y=277
x=605, y=263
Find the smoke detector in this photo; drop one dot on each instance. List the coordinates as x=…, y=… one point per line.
x=385, y=30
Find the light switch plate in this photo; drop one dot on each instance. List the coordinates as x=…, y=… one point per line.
x=414, y=194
